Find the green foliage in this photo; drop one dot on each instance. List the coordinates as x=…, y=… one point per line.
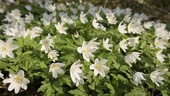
x=119, y=80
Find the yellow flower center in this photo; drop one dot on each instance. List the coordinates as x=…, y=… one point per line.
x=84, y=51
x=98, y=66
x=46, y=42
x=157, y=43
x=4, y=48
x=18, y=79
x=54, y=66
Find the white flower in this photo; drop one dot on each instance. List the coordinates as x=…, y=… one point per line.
x=132, y=58
x=111, y=18
x=14, y=16
x=83, y=18
x=17, y=81
x=106, y=44
x=47, y=18
x=148, y=25
x=98, y=17
x=47, y=43
x=34, y=32
x=1, y=75
x=53, y=54
x=60, y=28
x=15, y=30
x=86, y=50
x=29, y=18
x=135, y=27
x=162, y=34
x=97, y=25
x=99, y=67
x=76, y=73
x=28, y=7
x=51, y=7
x=156, y=77
x=159, y=43
x=55, y=68
x=93, y=44
x=127, y=18
x=122, y=28
x=6, y=48
x=160, y=56
x=133, y=41
x=123, y=45
x=137, y=78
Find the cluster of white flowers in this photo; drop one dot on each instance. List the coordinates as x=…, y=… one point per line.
x=130, y=28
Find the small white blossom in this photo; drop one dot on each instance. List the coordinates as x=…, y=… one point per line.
x=106, y=44
x=133, y=41
x=66, y=19
x=14, y=16
x=148, y=25
x=156, y=77
x=93, y=44
x=99, y=67
x=137, y=78
x=135, y=27
x=53, y=55
x=55, y=68
x=111, y=18
x=51, y=7
x=162, y=34
x=159, y=43
x=28, y=7
x=34, y=32
x=132, y=58
x=6, y=48
x=47, y=43
x=83, y=18
x=122, y=28
x=127, y=18
x=60, y=28
x=98, y=17
x=76, y=73
x=15, y=30
x=17, y=81
x=97, y=25
x=47, y=18
x=86, y=50
x=1, y=75
x=123, y=45
x=29, y=18
x=160, y=56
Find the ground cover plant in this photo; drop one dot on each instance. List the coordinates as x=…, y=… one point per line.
x=76, y=48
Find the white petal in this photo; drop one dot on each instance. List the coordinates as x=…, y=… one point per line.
x=17, y=88
x=92, y=66
x=11, y=87
x=7, y=80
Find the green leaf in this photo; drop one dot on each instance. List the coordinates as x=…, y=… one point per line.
x=116, y=65
x=112, y=91
x=44, y=67
x=92, y=86
x=67, y=80
x=2, y=65
x=124, y=68
x=136, y=92
x=43, y=87
x=76, y=92
x=57, y=87
x=109, y=86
